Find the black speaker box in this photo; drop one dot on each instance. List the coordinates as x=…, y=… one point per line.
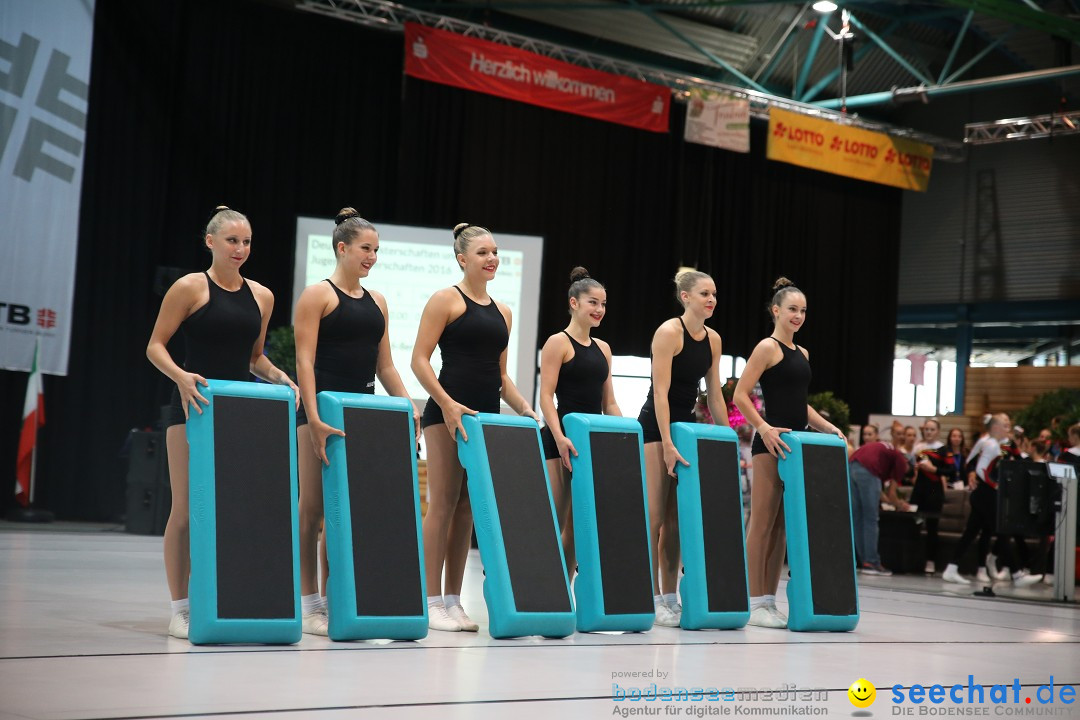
x=149, y=497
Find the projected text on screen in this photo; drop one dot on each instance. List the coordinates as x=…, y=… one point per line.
x=413, y=263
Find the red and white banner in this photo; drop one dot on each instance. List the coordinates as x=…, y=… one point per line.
x=451, y=59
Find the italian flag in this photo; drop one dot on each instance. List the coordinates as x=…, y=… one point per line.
x=33, y=418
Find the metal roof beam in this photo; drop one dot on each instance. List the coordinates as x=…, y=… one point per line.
x=811, y=53
x=715, y=59
x=890, y=52
x=955, y=47
x=1024, y=16
x=990, y=83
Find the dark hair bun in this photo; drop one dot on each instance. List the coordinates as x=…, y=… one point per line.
x=459, y=228
x=578, y=273
x=345, y=214
x=781, y=283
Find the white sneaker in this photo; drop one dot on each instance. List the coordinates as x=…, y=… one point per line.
x=1048, y=578
x=438, y=619
x=993, y=570
x=929, y=569
x=178, y=626
x=457, y=614
x=775, y=612
x=1023, y=578
x=316, y=623
x=952, y=574
x=981, y=575
x=761, y=617
x=665, y=617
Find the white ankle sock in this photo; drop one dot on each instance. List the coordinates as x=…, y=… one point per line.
x=669, y=599
x=178, y=605
x=435, y=601
x=770, y=600
x=658, y=600
x=451, y=600
x=757, y=601
x=312, y=603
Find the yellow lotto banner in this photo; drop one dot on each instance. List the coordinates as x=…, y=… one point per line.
x=852, y=152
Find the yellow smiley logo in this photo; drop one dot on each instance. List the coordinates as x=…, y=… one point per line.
x=862, y=693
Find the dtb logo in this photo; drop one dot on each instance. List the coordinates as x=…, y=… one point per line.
x=16, y=314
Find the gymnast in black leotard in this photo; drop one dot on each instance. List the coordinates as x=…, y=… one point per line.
x=342, y=343
x=783, y=368
x=683, y=352
x=575, y=368
x=472, y=331
x=223, y=318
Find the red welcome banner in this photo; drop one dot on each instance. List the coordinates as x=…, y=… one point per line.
x=487, y=67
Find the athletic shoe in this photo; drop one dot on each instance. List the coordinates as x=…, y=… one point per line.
x=1023, y=578
x=1048, y=578
x=178, y=626
x=665, y=617
x=952, y=574
x=981, y=576
x=929, y=569
x=775, y=612
x=457, y=614
x=315, y=623
x=438, y=619
x=878, y=569
x=676, y=607
x=993, y=570
x=762, y=617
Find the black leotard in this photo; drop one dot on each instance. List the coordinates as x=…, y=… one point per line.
x=219, y=337
x=580, y=387
x=784, y=387
x=471, y=346
x=687, y=369
x=347, y=353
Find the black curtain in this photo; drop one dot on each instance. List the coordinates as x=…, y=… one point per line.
x=297, y=114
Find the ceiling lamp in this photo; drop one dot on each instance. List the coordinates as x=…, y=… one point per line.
x=824, y=6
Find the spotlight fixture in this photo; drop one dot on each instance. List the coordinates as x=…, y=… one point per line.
x=824, y=6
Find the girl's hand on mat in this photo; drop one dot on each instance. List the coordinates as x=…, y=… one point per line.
x=672, y=458
x=566, y=449
x=833, y=430
x=529, y=412
x=416, y=418
x=319, y=432
x=286, y=380
x=188, y=384
x=452, y=417
x=770, y=436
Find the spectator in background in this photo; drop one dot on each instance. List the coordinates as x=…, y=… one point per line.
x=869, y=434
x=896, y=434
x=930, y=482
x=1046, y=435
x=956, y=452
x=871, y=465
x=1072, y=455
x=983, y=518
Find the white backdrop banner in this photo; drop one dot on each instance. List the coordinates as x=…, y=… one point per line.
x=722, y=121
x=44, y=87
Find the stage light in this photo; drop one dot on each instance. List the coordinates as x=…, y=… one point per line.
x=824, y=6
